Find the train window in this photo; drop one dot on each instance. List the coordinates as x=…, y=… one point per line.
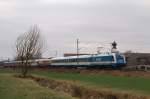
x=71, y=60
x=80, y=60
x=98, y=59
x=61, y=61
x=89, y=59
x=85, y=60
x=107, y=58
x=119, y=57
x=55, y=61
x=104, y=58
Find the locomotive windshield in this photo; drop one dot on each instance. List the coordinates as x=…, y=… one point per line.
x=120, y=58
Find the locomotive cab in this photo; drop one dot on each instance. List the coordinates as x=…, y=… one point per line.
x=120, y=60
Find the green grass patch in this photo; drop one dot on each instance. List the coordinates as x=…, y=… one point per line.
x=17, y=88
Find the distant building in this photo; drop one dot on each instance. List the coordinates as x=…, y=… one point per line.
x=134, y=59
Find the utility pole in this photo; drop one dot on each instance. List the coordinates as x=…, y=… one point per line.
x=77, y=51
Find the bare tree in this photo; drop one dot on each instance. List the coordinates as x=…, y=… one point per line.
x=28, y=46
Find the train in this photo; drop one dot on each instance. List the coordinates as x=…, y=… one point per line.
x=107, y=60
x=111, y=60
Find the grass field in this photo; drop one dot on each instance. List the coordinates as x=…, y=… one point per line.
x=28, y=89
x=15, y=88
x=134, y=84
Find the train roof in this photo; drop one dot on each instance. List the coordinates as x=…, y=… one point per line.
x=44, y=59
x=83, y=56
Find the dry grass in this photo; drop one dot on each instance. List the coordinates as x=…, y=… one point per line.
x=16, y=88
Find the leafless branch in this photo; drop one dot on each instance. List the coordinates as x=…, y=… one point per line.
x=28, y=46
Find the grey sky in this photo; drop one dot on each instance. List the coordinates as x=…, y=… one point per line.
x=62, y=21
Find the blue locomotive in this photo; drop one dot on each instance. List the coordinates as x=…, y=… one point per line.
x=112, y=60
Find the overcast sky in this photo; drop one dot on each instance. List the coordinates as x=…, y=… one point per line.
x=94, y=22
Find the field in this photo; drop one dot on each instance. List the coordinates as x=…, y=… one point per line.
x=138, y=86
x=15, y=88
